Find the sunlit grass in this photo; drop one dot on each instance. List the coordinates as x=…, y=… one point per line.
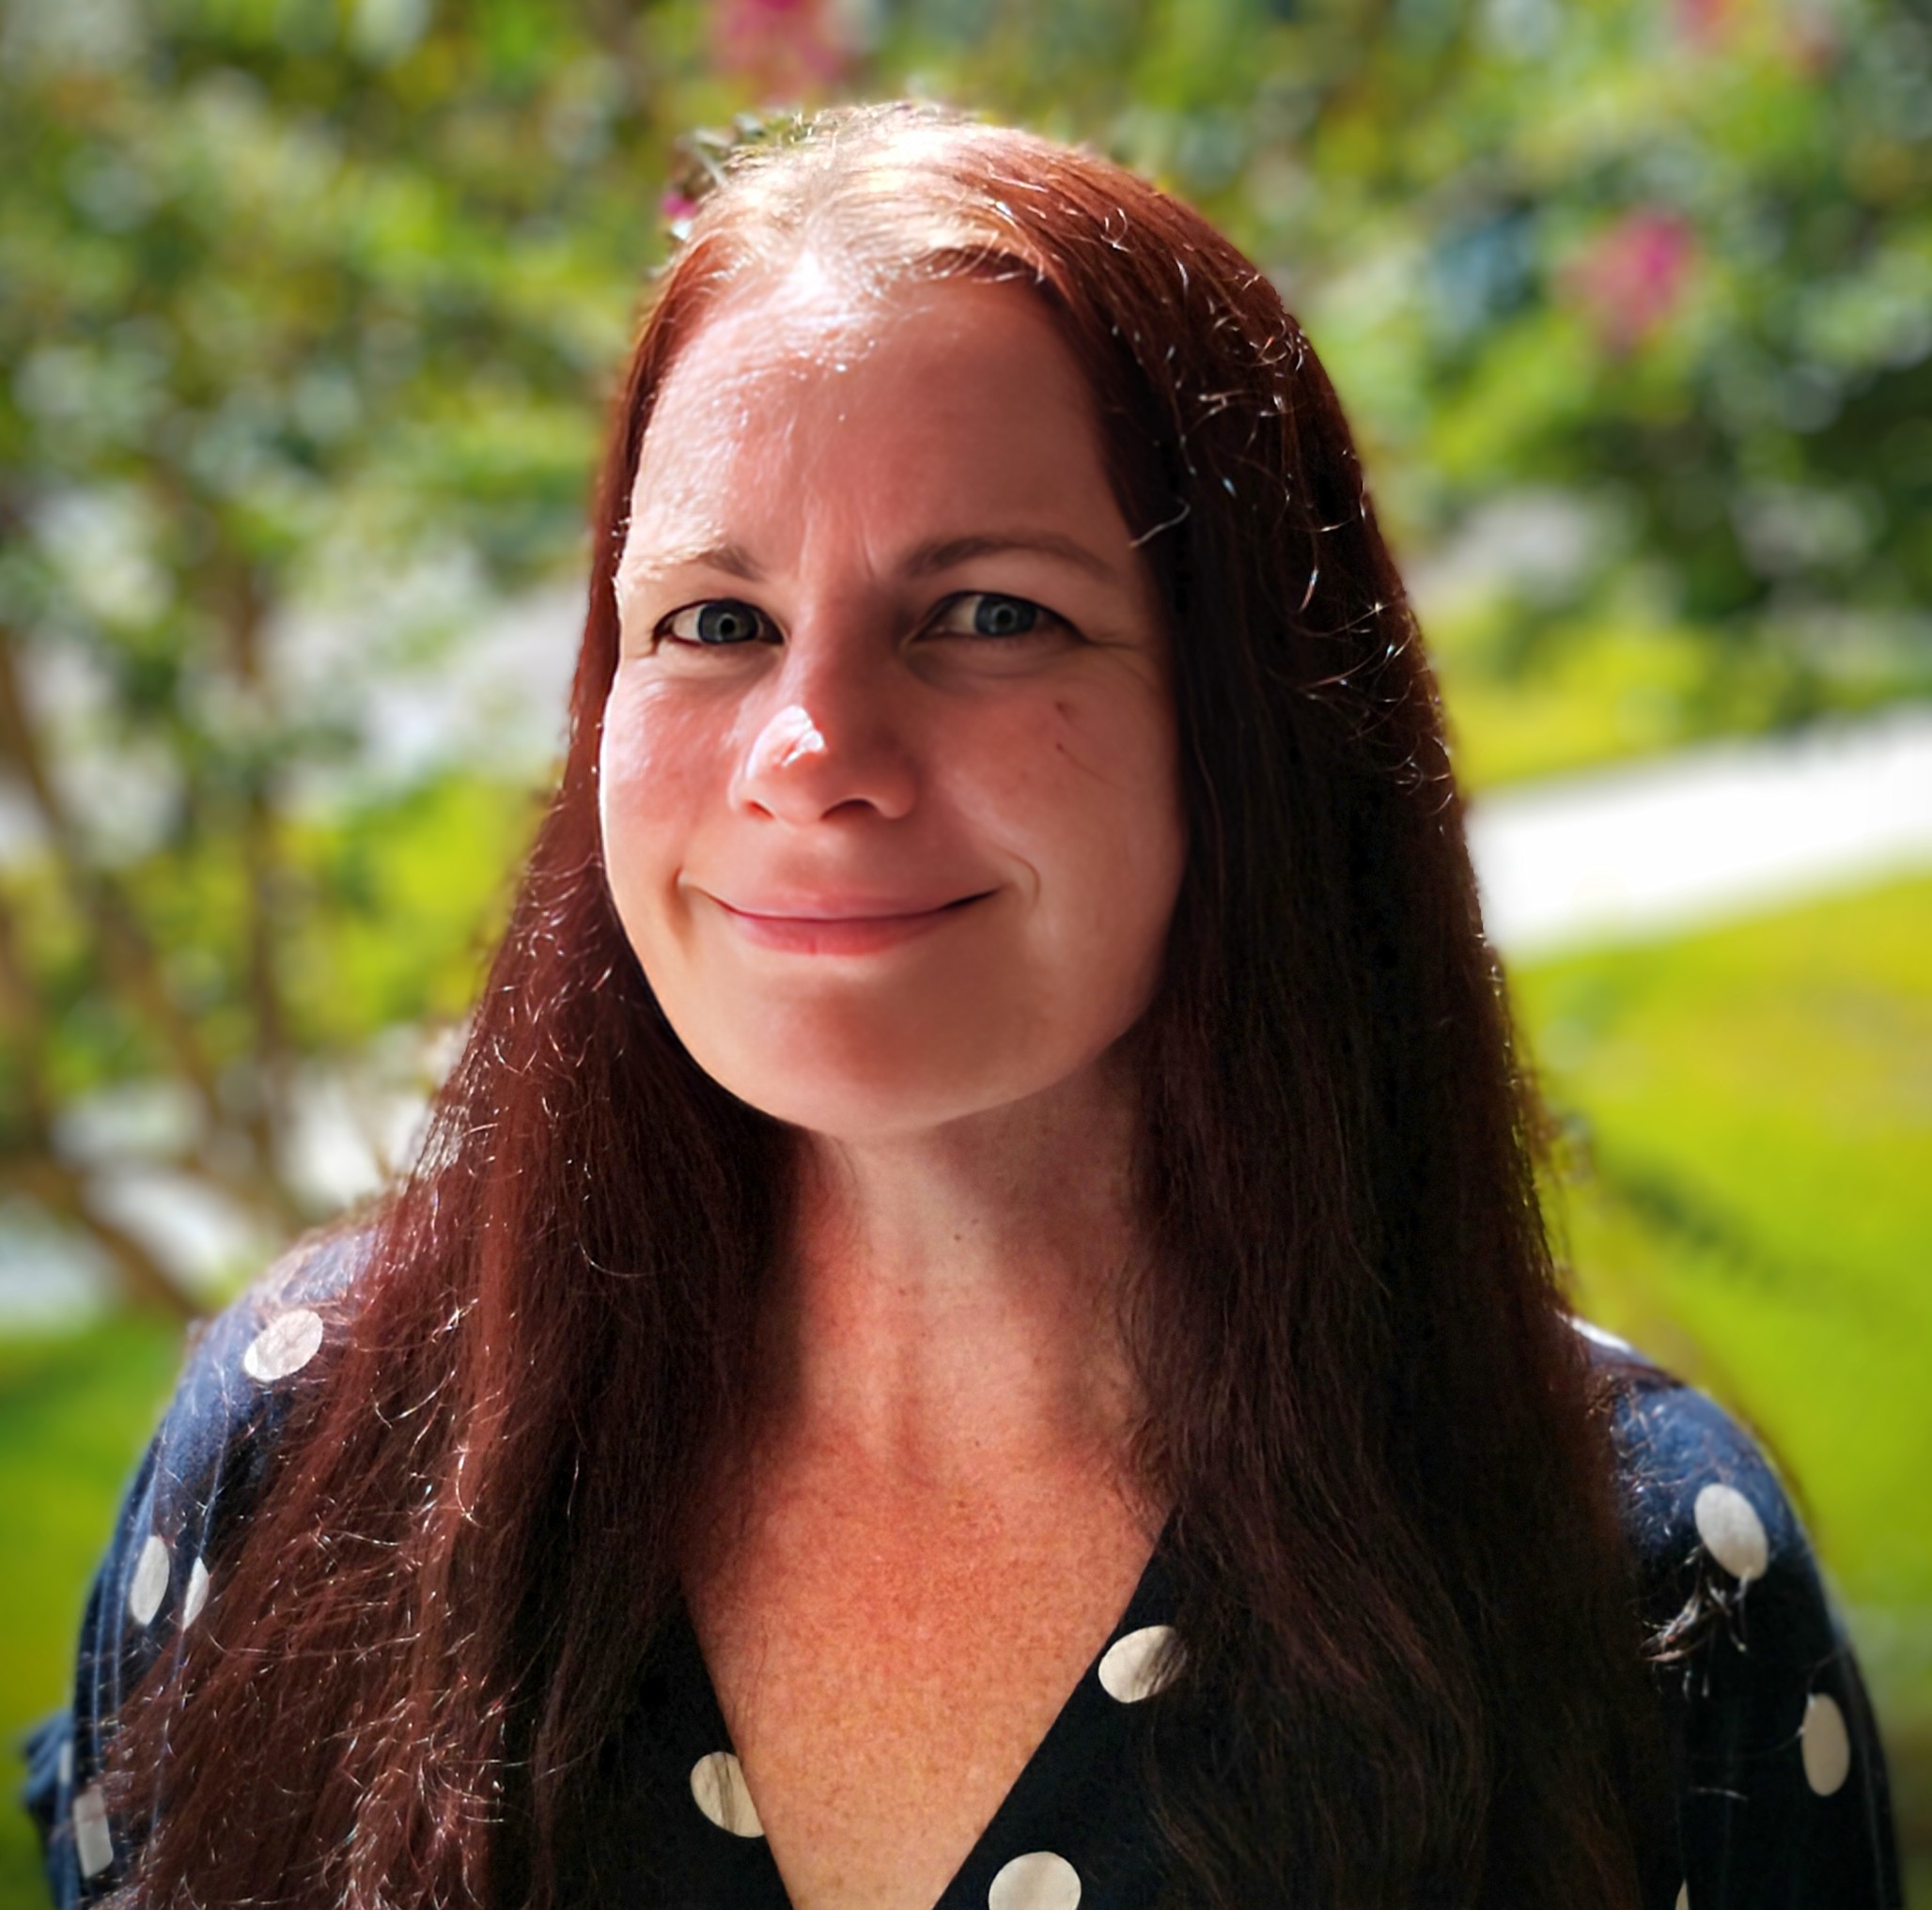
x=1747, y=1153
x=1748, y=1126
x=75, y=1412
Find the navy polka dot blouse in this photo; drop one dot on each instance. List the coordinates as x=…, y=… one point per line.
x=1780, y=1786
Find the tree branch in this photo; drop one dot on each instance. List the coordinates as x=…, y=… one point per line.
x=129, y=957
x=54, y=1187
x=37, y=1171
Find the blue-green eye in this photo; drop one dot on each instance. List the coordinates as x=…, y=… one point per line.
x=987, y=613
x=1003, y=616
x=720, y=620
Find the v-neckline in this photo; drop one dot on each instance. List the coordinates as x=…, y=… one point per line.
x=1134, y=1659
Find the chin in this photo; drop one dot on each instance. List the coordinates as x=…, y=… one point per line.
x=867, y=1085
x=881, y=1103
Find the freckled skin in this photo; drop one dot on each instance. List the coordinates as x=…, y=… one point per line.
x=897, y=1594
x=879, y=751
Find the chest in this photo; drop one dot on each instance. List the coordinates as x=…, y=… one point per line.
x=887, y=1666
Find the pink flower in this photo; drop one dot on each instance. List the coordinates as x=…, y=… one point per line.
x=789, y=48
x=1703, y=23
x=1631, y=278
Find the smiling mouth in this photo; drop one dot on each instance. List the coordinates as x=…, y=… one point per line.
x=839, y=932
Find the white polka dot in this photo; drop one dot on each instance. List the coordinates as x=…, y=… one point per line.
x=1037, y=1881
x=150, y=1584
x=1141, y=1664
x=717, y=1782
x=285, y=1345
x=1733, y=1533
x=1684, y=1896
x=93, y=1846
x=197, y=1595
x=1826, y=1744
x=64, y=1766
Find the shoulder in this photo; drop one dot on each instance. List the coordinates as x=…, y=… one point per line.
x=1780, y=1782
x=241, y=1373
x=206, y=1467
x=1696, y=1488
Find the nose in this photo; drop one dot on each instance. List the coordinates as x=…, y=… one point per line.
x=832, y=742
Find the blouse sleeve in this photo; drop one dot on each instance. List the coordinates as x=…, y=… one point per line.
x=1781, y=1800
x=204, y=1470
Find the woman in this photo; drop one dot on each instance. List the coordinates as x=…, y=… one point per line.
x=974, y=1327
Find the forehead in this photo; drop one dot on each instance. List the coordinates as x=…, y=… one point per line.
x=797, y=392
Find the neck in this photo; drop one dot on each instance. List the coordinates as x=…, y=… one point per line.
x=951, y=1304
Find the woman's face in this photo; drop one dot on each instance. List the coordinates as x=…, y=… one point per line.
x=889, y=795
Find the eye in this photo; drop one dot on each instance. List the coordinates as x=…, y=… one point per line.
x=987, y=613
x=717, y=621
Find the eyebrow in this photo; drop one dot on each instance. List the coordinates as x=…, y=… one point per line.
x=944, y=552
x=733, y=559
x=923, y=560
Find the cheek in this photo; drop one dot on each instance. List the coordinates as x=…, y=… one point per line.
x=1084, y=788
x=657, y=766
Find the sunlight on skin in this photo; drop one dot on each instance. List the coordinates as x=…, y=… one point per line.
x=883, y=871
x=898, y=880
x=891, y=810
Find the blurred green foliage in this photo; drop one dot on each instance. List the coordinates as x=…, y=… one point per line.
x=305, y=298
x=75, y=1412
x=309, y=311
x=1743, y=1121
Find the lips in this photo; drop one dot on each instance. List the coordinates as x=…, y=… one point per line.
x=840, y=924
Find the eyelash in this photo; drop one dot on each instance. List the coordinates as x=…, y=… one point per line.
x=766, y=630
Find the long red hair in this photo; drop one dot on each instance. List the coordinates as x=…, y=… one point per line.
x=1404, y=1599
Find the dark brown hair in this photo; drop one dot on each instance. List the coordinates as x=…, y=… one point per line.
x=1404, y=1600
